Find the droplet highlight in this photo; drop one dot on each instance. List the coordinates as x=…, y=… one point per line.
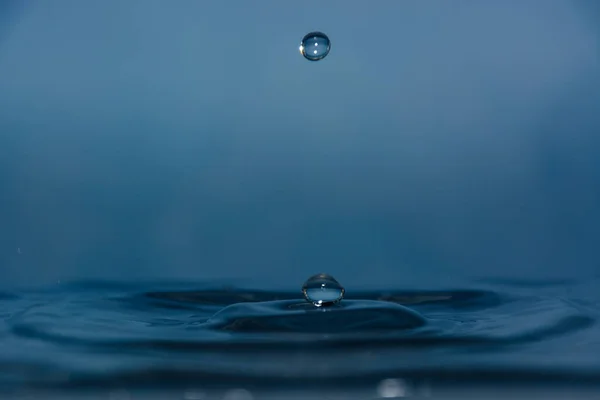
x=315, y=46
x=323, y=290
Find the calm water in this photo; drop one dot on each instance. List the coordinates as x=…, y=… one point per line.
x=202, y=340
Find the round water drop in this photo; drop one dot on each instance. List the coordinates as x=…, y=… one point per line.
x=315, y=46
x=323, y=290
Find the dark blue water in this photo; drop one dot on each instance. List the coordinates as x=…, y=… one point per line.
x=203, y=340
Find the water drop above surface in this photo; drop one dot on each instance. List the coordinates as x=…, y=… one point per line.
x=315, y=46
x=322, y=290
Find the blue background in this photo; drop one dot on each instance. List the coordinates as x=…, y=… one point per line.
x=439, y=141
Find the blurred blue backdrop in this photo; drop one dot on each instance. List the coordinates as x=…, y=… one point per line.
x=185, y=139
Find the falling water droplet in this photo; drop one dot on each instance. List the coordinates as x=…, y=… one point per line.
x=323, y=290
x=315, y=46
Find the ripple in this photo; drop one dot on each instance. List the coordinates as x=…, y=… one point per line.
x=433, y=319
x=245, y=333
x=356, y=316
x=8, y=296
x=228, y=296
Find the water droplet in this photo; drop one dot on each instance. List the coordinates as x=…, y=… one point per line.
x=315, y=46
x=323, y=290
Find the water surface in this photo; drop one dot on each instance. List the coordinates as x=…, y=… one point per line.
x=103, y=337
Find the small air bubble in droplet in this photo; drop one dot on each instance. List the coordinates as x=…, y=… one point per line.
x=320, y=44
x=322, y=290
